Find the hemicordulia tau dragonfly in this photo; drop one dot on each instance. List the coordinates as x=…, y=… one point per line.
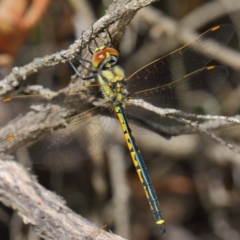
x=179, y=80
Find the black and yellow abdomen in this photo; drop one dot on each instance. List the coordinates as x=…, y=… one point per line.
x=114, y=89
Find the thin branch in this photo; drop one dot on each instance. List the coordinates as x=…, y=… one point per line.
x=42, y=209
x=184, y=118
x=210, y=134
x=118, y=14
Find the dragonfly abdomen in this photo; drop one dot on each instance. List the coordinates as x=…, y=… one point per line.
x=114, y=89
x=140, y=168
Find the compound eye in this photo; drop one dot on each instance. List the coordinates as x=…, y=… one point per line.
x=98, y=57
x=103, y=54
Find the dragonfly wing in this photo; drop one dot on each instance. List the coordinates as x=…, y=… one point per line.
x=81, y=134
x=185, y=94
x=76, y=100
x=185, y=60
x=87, y=137
x=11, y=107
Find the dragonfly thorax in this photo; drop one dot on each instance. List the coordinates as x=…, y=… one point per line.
x=114, y=85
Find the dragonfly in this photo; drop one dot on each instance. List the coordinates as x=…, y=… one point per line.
x=180, y=80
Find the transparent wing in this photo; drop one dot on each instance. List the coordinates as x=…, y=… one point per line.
x=12, y=107
x=87, y=131
x=87, y=136
x=185, y=94
x=177, y=64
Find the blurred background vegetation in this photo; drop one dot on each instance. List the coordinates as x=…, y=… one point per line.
x=196, y=179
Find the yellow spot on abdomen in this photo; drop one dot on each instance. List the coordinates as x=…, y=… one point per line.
x=139, y=172
x=160, y=222
x=146, y=193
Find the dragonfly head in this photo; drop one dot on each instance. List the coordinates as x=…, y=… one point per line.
x=104, y=57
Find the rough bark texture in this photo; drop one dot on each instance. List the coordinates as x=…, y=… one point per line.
x=43, y=210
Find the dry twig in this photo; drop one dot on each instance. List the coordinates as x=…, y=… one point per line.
x=42, y=209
